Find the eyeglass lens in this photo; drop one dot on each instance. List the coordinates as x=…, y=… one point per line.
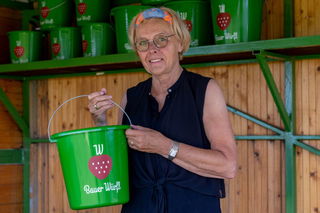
x=160, y=41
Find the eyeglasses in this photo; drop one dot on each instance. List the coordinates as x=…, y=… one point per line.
x=160, y=41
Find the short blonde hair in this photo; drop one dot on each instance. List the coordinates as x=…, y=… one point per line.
x=178, y=27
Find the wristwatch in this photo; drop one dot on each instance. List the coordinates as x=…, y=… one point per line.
x=173, y=151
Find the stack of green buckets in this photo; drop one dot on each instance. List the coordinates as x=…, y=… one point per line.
x=91, y=33
x=209, y=22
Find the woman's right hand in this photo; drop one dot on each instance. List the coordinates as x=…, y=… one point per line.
x=99, y=103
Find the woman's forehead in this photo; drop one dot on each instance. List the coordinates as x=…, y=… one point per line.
x=152, y=26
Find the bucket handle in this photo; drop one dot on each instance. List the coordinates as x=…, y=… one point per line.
x=80, y=96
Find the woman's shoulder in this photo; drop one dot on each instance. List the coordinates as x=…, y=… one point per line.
x=196, y=80
x=192, y=76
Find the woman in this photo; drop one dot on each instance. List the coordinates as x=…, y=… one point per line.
x=182, y=145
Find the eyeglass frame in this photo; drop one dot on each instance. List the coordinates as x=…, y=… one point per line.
x=154, y=43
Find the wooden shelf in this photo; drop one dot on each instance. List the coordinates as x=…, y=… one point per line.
x=298, y=47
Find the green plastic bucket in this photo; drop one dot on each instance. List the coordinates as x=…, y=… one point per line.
x=122, y=18
x=116, y=3
x=94, y=163
x=153, y=2
x=65, y=43
x=92, y=11
x=236, y=20
x=97, y=39
x=196, y=15
x=55, y=13
x=24, y=46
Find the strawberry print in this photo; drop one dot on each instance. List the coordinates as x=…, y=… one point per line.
x=188, y=23
x=44, y=12
x=84, y=45
x=223, y=18
x=82, y=7
x=100, y=166
x=56, y=48
x=18, y=51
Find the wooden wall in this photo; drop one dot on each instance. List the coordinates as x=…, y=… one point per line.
x=10, y=135
x=10, y=138
x=307, y=22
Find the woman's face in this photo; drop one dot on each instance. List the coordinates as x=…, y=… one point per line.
x=158, y=61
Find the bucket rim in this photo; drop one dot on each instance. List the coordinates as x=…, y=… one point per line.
x=66, y=28
x=185, y=1
x=90, y=129
x=88, y=24
x=130, y=6
x=24, y=31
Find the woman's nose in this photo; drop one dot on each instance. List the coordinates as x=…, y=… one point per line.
x=152, y=46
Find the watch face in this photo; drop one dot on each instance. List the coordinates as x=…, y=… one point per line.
x=173, y=151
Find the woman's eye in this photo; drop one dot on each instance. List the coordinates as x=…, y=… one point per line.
x=162, y=39
x=143, y=43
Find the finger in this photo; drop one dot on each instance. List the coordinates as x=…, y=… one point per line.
x=137, y=127
x=98, y=108
x=95, y=94
x=100, y=101
x=132, y=133
x=101, y=98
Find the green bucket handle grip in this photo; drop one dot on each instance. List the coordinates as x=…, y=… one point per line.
x=80, y=96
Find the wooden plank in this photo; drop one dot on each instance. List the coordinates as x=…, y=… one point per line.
x=262, y=148
x=251, y=169
x=240, y=185
x=305, y=126
x=10, y=174
x=312, y=130
x=11, y=208
x=317, y=94
x=11, y=193
x=299, y=130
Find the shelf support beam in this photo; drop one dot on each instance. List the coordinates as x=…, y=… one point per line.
x=11, y=156
x=13, y=111
x=274, y=91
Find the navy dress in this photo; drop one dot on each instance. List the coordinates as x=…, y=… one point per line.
x=157, y=185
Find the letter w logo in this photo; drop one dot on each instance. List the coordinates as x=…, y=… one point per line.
x=99, y=149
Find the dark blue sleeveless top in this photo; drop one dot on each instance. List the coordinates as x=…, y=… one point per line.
x=157, y=185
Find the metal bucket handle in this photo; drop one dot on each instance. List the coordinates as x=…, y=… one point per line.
x=80, y=96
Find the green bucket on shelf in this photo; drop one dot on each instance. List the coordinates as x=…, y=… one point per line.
x=55, y=13
x=197, y=17
x=154, y=2
x=94, y=163
x=24, y=46
x=125, y=2
x=92, y=11
x=122, y=18
x=236, y=20
x=97, y=39
x=65, y=43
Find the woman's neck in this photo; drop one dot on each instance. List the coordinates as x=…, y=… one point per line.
x=161, y=83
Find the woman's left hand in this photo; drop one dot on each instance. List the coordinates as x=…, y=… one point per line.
x=148, y=140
